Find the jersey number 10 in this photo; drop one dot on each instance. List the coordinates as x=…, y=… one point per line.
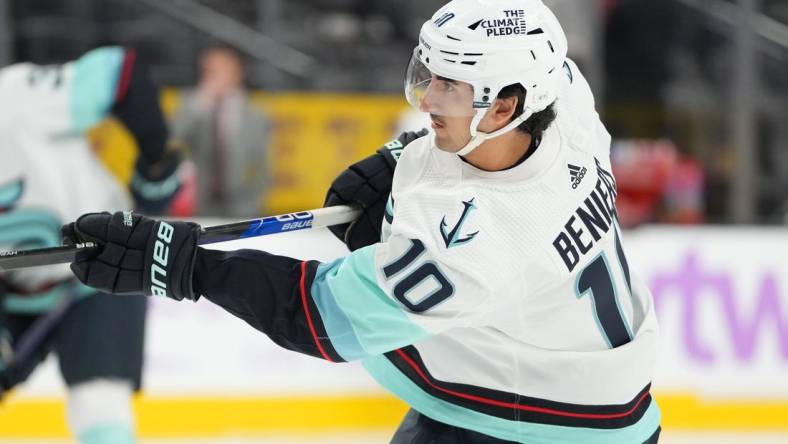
x=427, y=272
x=595, y=280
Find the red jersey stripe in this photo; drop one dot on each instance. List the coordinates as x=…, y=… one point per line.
x=302, y=287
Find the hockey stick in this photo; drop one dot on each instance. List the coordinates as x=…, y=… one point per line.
x=302, y=220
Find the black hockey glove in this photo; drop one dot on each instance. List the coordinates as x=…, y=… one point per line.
x=153, y=186
x=367, y=184
x=139, y=255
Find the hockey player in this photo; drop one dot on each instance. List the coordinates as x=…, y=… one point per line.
x=491, y=290
x=50, y=174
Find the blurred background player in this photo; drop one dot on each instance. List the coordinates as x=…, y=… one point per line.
x=49, y=173
x=225, y=137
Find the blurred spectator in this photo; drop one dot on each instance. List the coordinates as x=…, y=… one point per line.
x=225, y=137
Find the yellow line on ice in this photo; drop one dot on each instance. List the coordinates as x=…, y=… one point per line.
x=189, y=417
x=689, y=412
x=179, y=417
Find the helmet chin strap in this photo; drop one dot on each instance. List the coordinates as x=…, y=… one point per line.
x=478, y=137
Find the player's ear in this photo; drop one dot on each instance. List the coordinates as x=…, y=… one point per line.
x=500, y=114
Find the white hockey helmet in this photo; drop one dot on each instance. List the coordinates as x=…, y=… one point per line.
x=486, y=45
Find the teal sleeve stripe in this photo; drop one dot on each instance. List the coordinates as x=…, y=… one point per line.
x=94, y=84
x=379, y=324
x=108, y=433
x=393, y=380
x=338, y=327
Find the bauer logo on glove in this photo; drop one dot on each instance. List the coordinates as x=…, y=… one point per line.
x=161, y=252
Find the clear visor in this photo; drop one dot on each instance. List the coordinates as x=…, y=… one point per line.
x=434, y=94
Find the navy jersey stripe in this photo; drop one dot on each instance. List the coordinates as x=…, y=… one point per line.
x=517, y=407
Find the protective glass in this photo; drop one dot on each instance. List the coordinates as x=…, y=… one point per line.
x=434, y=94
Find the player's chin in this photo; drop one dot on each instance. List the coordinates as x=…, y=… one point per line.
x=445, y=143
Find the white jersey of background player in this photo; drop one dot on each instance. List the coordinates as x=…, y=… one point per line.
x=50, y=174
x=45, y=158
x=498, y=302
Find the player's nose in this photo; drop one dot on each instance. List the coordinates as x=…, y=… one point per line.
x=426, y=102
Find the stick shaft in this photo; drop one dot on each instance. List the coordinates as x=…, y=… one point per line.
x=10, y=260
x=302, y=220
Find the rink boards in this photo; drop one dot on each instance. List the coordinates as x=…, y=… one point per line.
x=721, y=296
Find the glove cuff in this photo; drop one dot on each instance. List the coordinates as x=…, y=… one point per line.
x=184, y=288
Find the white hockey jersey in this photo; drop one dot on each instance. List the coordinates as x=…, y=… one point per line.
x=502, y=302
x=48, y=172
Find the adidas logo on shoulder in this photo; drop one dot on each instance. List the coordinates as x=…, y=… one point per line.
x=576, y=174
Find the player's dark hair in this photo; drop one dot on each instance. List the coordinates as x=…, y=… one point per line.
x=538, y=122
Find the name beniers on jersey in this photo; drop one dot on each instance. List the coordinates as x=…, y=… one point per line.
x=589, y=221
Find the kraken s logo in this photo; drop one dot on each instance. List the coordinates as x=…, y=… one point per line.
x=452, y=238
